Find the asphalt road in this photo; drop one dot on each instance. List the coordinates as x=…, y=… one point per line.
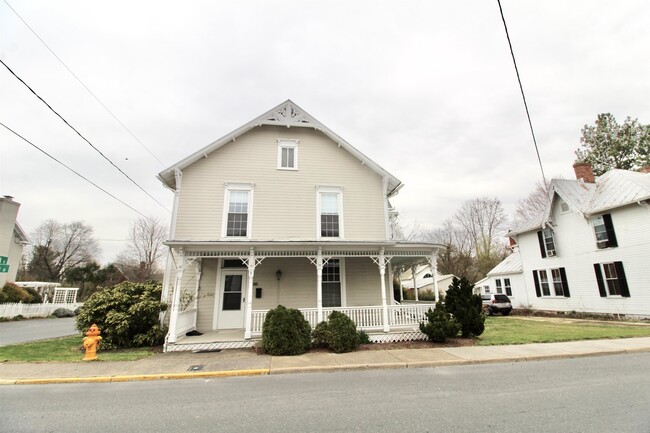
x=35, y=329
x=593, y=394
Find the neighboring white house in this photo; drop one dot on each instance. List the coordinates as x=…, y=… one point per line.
x=589, y=251
x=283, y=211
x=424, y=281
x=12, y=240
x=506, y=277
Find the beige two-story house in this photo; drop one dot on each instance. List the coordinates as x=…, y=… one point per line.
x=282, y=211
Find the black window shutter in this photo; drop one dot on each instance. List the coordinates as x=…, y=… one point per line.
x=542, y=248
x=611, y=234
x=565, y=283
x=538, y=291
x=622, y=281
x=601, y=283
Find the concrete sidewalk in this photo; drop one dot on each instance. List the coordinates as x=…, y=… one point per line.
x=246, y=362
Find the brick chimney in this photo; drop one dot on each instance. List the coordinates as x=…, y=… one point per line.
x=584, y=171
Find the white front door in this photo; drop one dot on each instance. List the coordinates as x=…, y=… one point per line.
x=232, y=301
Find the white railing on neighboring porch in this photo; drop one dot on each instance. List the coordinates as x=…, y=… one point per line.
x=364, y=317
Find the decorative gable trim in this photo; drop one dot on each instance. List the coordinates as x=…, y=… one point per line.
x=286, y=114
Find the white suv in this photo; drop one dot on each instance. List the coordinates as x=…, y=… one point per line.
x=496, y=303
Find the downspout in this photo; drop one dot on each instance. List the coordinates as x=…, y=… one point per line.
x=386, y=216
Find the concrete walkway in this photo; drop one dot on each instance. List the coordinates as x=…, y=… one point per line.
x=246, y=362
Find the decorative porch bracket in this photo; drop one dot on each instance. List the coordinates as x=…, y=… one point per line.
x=433, y=264
x=251, y=262
x=176, y=295
x=382, y=261
x=319, y=261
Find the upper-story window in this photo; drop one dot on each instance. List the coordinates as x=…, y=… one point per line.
x=237, y=217
x=604, y=231
x=287, y=154
x=330, y=215
x=546, y=242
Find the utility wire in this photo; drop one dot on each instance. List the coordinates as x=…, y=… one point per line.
x=84, y=138
x=521, y=87
x=86, y=87
x=72, y=170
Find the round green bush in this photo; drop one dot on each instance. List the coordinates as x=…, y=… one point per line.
x=127, y=315
x=13, y=293
x=285, y=332
x=320, y=335
x=440, y=325
x=63, y=312
x=342, y=331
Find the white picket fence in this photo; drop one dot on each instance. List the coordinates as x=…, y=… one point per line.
x=34, y=310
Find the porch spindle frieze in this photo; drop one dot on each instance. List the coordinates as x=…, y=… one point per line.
x=251, y=262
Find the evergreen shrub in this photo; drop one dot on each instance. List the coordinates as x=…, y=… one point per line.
x=285, y=332
x=466, y=307
x=439, y=325
x=63, y=312
x=127, y=315
x=339, y=333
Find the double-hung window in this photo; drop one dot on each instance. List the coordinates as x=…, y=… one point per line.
x=507, y=286
x=611, y=279
x=546, y=242
x=287, y=154
x=499, y=287
x=330, y=215
x=604, y=231
x=556, y=278
x=237, y=217
x=332, y=283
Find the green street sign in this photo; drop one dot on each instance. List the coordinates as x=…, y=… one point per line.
x=3, y=260
x=4, y=269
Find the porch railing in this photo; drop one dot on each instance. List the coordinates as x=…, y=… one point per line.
x=366, y=318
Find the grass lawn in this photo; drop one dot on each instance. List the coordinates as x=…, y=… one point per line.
x=521, y=330
x=65, y=349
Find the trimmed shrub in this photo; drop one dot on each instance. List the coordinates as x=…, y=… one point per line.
x=12, y=292
x=364, y=338
x=342, y=333
x=320, y=335
x=63, y=312
x=285, y=332
x=440, y=325
x=127, y=315
x=466, y=307
x=339, y=334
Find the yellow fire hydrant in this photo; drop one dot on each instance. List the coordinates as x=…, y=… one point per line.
x=91, y=343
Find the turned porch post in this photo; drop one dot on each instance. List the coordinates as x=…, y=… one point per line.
x=249, y=295
x=381, y=262
x=434, y=271
x=319, y=284
x=176, y=296
x=415, y=287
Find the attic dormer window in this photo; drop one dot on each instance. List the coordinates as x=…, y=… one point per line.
x=546, y=242
x=287, y=154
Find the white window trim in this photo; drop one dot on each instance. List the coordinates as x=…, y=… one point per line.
x=288, y=143
x=329, y=189
x=228, y=187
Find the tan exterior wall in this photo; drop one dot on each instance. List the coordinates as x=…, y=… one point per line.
x=284, y=203
x=295, y=289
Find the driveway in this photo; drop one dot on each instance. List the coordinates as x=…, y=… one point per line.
x=35, y=329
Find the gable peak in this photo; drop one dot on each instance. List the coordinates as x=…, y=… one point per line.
x=288, y=114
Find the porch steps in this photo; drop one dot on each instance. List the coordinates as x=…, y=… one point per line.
x=215, y=345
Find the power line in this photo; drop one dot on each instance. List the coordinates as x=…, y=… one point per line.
x=521, y=87
x=72, y=170
x=86, y=87
x=84, y=138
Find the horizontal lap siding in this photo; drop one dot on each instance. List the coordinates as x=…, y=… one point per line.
x=284, y=205
x=363, y=282
x=577, y=252
x=207, y=292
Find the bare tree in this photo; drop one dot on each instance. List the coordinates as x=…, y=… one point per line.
x=142, y=259
x=58, y=247
x=409, y=230
x=534, y=204
x=484, y=222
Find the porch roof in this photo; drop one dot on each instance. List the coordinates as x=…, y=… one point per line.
x=305, y=248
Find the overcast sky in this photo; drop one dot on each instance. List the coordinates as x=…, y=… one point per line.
x=426, y=89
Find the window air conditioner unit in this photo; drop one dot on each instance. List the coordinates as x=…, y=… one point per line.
x=550, y=253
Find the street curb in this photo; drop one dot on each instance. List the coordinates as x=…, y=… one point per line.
x=135, y=378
